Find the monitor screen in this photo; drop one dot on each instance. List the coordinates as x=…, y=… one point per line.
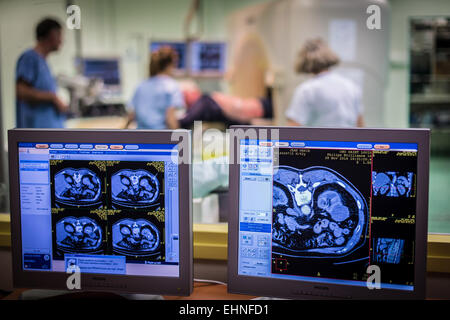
x=323, y=211
x=179, y=47
x=104, y=208
x=105, y=69
x=208, y=58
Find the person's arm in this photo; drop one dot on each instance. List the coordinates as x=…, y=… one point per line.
x=27, y=93
x=130, y=118
x=176, y=102
x=299, y=111
x=359, y=109
x=171, y=118
x=292, y=123
x=360, y=121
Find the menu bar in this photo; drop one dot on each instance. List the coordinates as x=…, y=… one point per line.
x=332, y=144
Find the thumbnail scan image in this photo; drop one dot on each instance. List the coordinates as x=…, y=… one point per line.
x=317, y=213
x=138, y=237
x=388, y=250
x=78, y=235
x=134, y=188
x=77, y=187
x=392, y=184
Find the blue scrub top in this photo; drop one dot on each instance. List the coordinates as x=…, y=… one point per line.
x=151, y=100
x=33, y=69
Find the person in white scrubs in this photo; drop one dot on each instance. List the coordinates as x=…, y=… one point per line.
x=327, y=99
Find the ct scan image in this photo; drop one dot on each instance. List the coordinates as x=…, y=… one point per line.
x=317, y=212
x=386, y=250
x=137, y=236
x=77, y=184
x=134, y=188
x=78, y=234
x=137, y=185
x=320, y=212
x=393, y=184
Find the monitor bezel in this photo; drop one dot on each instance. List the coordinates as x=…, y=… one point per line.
x=297, y=289
x=181, y=285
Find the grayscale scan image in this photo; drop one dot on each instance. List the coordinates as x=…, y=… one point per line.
x=317, y=213
x=137, y=238
x=78, y=235
x=77, y=187
x=388, y=250
x=392, y=184
x=134, y=188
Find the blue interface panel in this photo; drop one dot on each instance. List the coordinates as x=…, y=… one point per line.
x=105, y=208
x=323, y=211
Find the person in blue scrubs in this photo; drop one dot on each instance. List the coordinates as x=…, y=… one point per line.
x=37, y=105
x=155, y=100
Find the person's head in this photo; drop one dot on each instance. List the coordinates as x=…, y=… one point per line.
x=163, y=61
x=49, y=33
x=315, y=57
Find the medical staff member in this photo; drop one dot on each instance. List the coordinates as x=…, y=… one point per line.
x=37, y=105
x=155, y=100
x=327, y=99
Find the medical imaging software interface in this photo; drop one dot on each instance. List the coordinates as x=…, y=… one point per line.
x=104, y=208
x=324, y=211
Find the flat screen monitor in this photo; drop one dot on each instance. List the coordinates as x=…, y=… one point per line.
x=106, y=69
x=113, y=205
x=207, y=58
x=179, y=47
x=334, y=213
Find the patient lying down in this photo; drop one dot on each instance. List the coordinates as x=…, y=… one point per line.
x=220, y=107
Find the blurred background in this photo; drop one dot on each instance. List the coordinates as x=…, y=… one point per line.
x=243, y=48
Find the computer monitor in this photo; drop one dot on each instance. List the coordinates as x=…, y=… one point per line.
x=106, y=69
x=207, y=58
x=179, y=47
x=114, y=205
x=328, y=213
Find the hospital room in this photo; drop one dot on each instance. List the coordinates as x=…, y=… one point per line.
x=344, y=106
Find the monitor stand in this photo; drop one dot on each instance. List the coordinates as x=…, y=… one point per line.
x=38, y=294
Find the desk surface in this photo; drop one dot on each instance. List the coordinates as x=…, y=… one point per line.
x=208, y=291
x=202, y=291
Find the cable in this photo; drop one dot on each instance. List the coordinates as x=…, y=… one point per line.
x=210, y=281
